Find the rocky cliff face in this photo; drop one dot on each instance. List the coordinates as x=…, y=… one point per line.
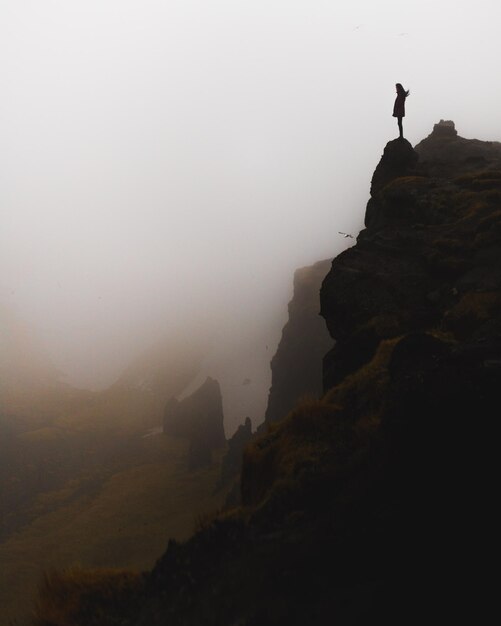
x=429, y=259
x=200, y=419
x=297, y=365
x=232, y=460
x=372, y=504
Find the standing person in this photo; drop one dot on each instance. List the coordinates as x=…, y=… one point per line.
x=399, y=107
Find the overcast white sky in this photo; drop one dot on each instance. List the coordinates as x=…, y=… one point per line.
x=178, y=159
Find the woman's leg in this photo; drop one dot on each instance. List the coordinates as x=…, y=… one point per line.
x=400, y=128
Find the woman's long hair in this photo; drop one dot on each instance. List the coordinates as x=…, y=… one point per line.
x=401, y=91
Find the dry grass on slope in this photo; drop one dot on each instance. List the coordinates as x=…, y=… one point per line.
x=84, y=597
x=125, y=523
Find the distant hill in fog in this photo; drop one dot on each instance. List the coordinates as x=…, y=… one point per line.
x=24, y=362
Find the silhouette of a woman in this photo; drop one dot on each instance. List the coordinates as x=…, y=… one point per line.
x=399, y=107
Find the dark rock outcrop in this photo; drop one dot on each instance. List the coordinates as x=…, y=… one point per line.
x=429, y=258
x=398, y=159
x=232, y=460
x=297, y=365
x=200, y=419
x=445, y=154
x=445, y=128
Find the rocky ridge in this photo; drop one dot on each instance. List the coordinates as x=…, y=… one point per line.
x=371, y=504
x=297, y=364
x=429, y=259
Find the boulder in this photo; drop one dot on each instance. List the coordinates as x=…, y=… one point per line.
x=199, y=418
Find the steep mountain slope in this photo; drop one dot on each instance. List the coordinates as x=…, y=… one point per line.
x=429, y=258
x=297, y=365
x=370, y=505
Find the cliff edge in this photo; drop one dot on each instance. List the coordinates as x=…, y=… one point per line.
x=296, y=367
x=371, y=504
x=429, y=259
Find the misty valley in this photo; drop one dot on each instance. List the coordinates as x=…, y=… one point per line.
x=357, y=496
x=103, y=479
x=250, y=312
x=84, y=478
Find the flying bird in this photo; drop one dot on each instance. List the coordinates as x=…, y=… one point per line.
x=345, y=234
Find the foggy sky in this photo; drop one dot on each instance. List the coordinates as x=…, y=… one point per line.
x=167, y=163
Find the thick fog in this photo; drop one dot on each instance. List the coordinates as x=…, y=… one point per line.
x=166, y=165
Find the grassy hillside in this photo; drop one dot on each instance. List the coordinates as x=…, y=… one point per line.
x=120, y=517
x=81, y=484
